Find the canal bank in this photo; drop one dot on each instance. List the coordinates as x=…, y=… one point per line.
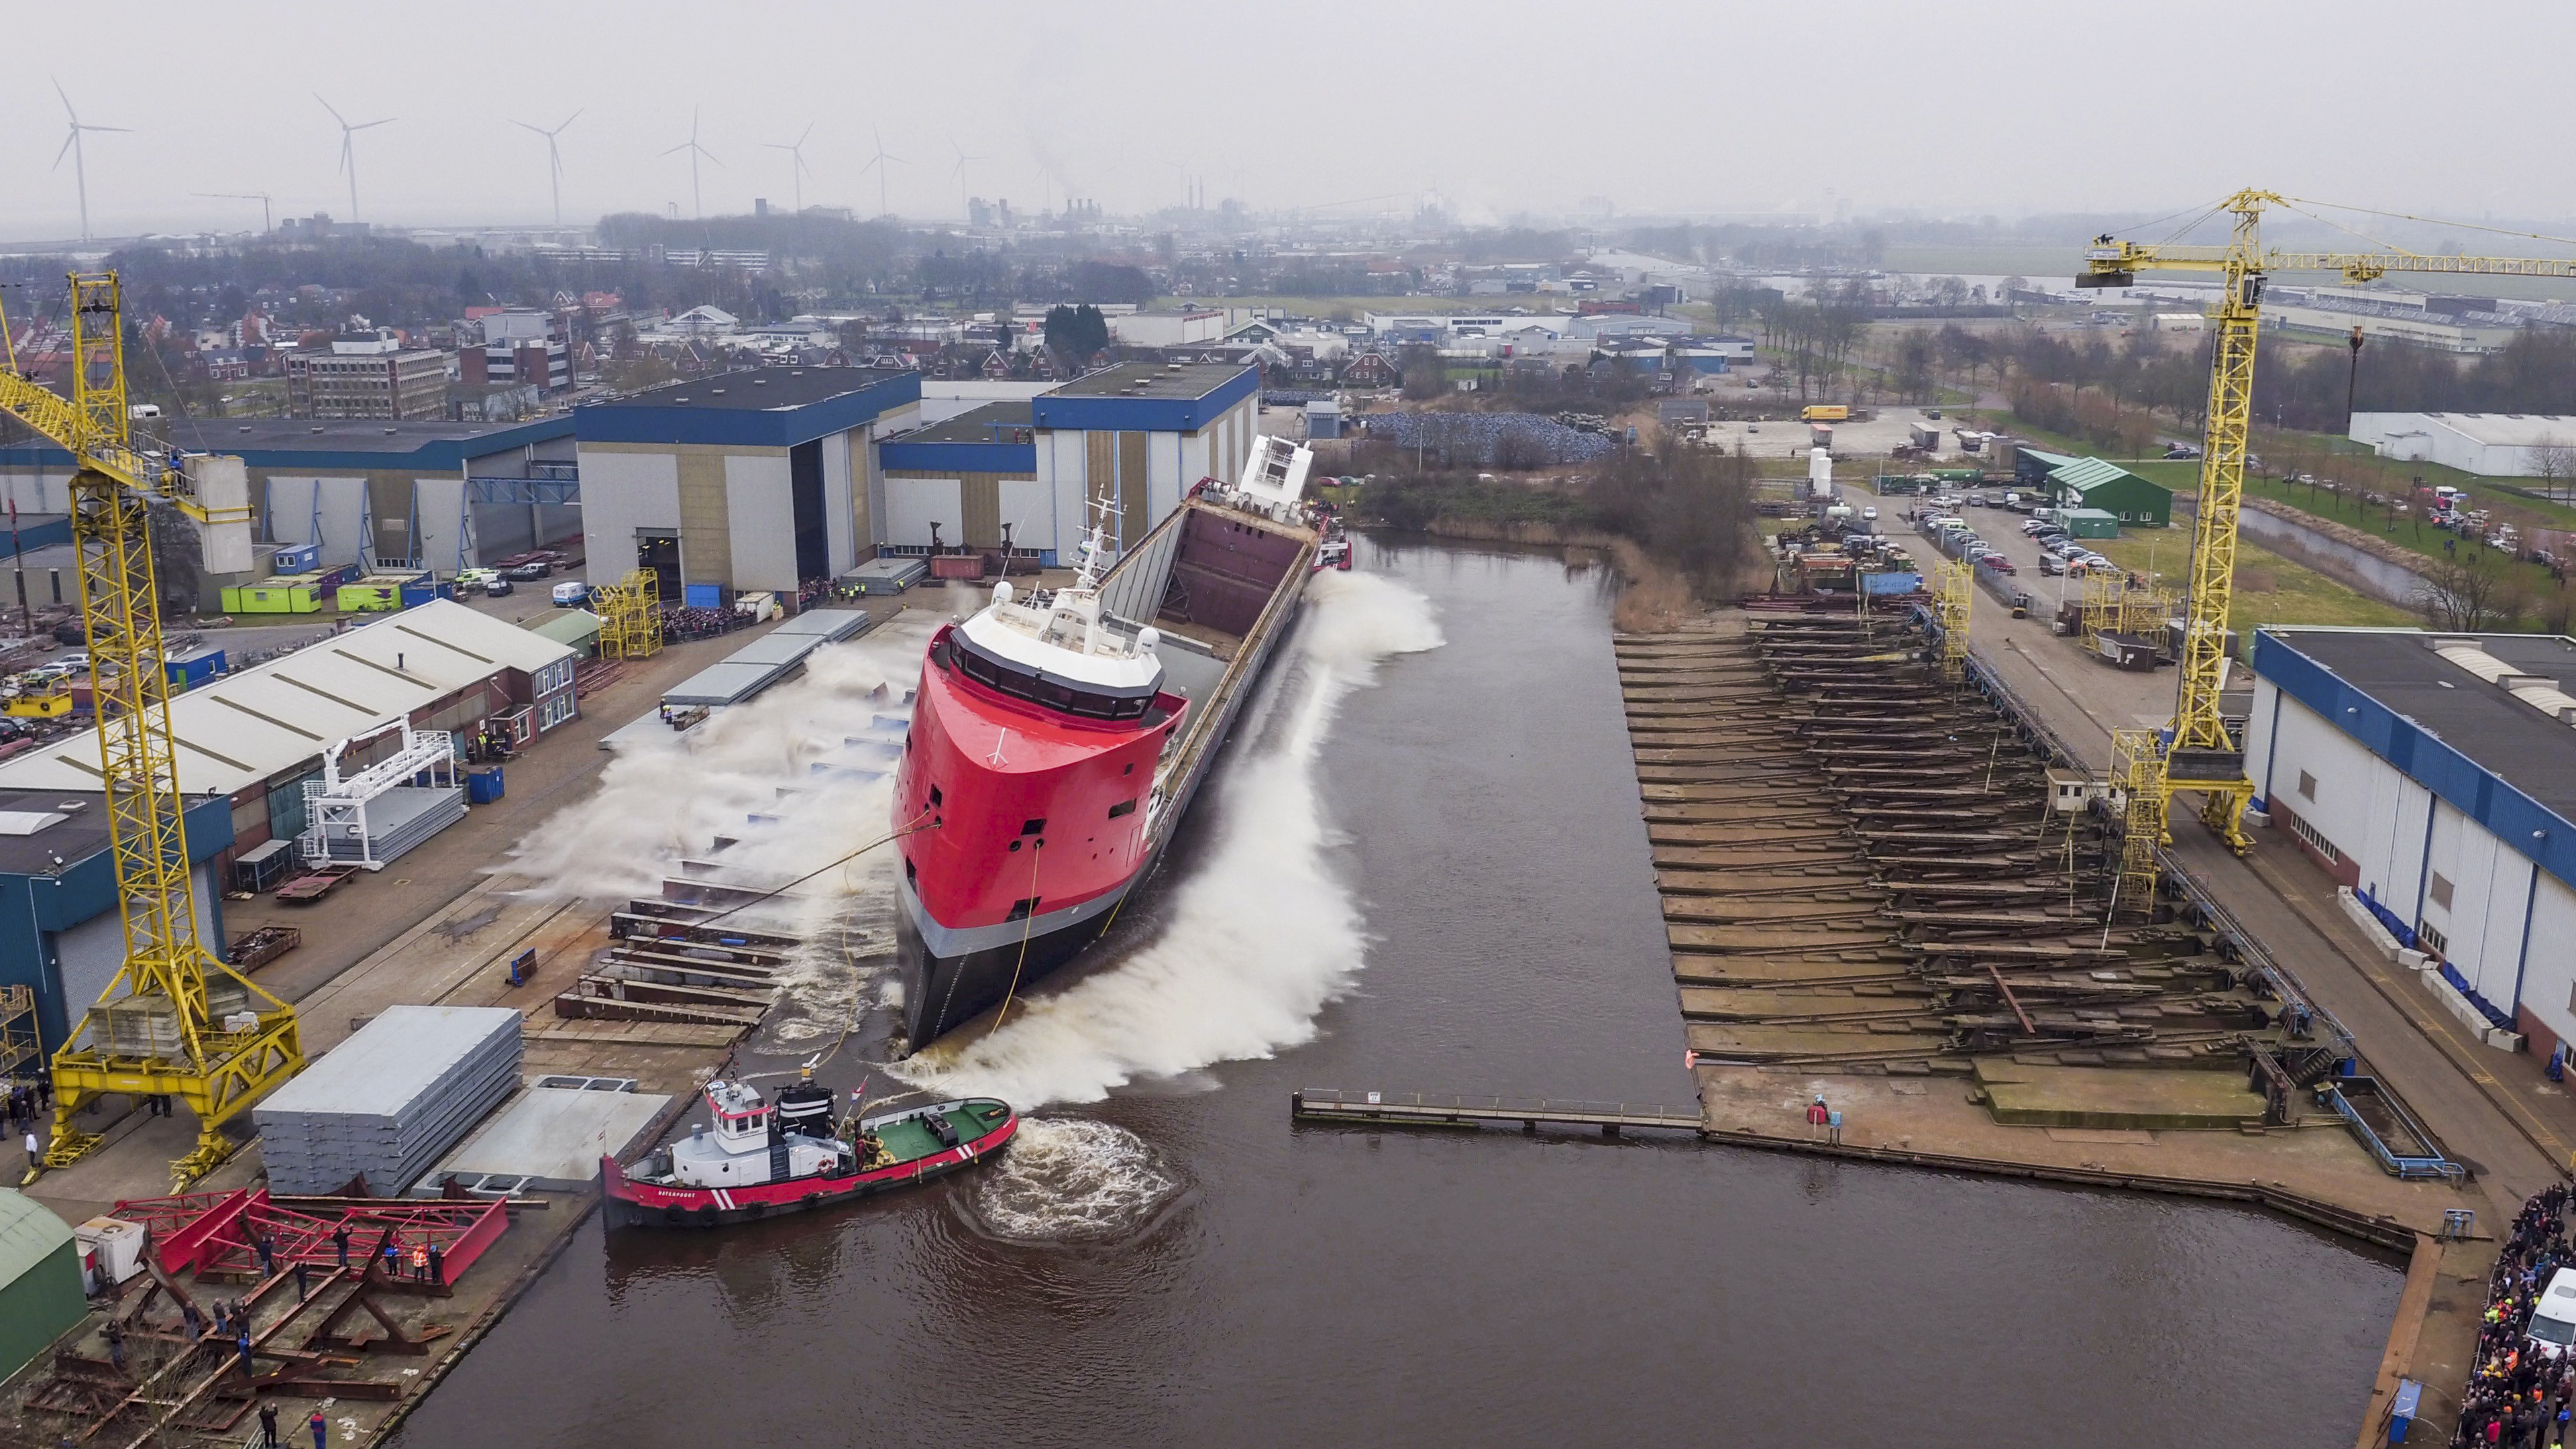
x=1170, y=1266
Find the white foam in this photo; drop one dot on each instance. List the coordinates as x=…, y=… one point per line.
x=1072, y=1180
x=777, y=777
x=1260, y=936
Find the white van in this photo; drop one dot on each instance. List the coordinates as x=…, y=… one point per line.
x=570, y=594
x=2553, y=1319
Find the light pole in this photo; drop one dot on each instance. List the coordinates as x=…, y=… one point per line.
x=2352, y=380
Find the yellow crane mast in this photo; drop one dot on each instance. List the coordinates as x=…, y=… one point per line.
x=1950, y=600
x=177, y=1021
x=2197, y=753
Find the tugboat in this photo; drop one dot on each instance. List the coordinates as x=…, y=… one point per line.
x=764, y=1158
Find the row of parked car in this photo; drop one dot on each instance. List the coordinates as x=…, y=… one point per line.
x=2061, y=553
x=1958, y=540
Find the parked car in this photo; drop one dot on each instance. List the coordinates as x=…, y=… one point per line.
x=1998, y=563
x=498, y=588
x=2051, y=565
x=532, y=570
x=74, y=665
x=2182, y=450
x=71, y=631
x=2032, y=528
x=1869, y=514
x=571, y=594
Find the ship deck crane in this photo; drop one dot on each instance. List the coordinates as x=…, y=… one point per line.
x=177, y=1020
x=2197, y=752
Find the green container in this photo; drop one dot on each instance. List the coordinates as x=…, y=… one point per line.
x=273, y=596
x=2090, y=523
x=376, y=593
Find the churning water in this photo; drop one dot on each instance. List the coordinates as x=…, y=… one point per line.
x=1260, y=930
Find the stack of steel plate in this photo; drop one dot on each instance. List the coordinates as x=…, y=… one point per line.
x=397, y=820
x=389, y=1100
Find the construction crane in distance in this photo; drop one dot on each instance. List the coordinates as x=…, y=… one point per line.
x=2197, y=753
x=177, y=1021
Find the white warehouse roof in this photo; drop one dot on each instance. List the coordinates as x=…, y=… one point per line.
x=245, y=727
x=2495, y=430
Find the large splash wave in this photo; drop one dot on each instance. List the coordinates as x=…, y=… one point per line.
x=1260, y=936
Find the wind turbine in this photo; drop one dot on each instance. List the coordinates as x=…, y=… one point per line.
x=554, y=158
x=695, y=151
x=796, y=169
x=349, y=149
x=880, y=162
x=266, y=225
x=960, y=171
x=80, y=158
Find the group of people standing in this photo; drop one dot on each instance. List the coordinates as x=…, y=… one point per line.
x=2517, y=1396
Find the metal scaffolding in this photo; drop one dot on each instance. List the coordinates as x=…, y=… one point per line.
x=1951, y=580
x=2138, y=773
x=630, y=616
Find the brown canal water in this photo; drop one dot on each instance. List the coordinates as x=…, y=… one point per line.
x=1459, y=900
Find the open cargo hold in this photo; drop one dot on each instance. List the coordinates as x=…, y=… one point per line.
x=390, y=1100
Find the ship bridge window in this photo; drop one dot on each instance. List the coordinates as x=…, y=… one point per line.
x=1019, y=682
x=1033, y=827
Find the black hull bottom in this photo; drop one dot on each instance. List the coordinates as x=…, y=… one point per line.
x=942, y=992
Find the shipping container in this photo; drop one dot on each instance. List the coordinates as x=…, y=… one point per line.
x=2090, y=523
x=377, y=593
x=274, y=596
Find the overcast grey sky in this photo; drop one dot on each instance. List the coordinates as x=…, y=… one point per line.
x=1951, y=107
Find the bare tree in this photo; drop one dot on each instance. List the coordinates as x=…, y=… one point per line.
x=2553, y=462
x=2468, y=593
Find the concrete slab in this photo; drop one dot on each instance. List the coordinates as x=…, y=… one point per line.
x=554, y=1136
x=2154, y=1100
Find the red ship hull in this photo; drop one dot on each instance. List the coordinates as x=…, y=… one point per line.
x=1035, y=825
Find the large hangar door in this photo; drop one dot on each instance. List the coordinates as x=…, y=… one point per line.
x=87, y=956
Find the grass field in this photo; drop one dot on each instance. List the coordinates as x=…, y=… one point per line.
x=2269, y=588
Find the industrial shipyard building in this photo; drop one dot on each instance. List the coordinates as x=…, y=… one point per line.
x=2435, y=776
x=766, y=478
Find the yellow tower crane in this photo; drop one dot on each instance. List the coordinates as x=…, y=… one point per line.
x=2197, y=752
x=177, y=1021
x=1951, y=589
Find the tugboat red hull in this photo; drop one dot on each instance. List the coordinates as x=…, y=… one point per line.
x=635, y=1204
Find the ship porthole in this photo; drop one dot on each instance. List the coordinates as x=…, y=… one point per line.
x=1015, y=847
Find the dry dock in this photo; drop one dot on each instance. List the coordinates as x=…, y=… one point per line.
x=1877, y=892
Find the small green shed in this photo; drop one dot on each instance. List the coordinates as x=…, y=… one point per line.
x=40, y=1280
x=2089, y=523
x=576, y=629
x=2094, y=483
